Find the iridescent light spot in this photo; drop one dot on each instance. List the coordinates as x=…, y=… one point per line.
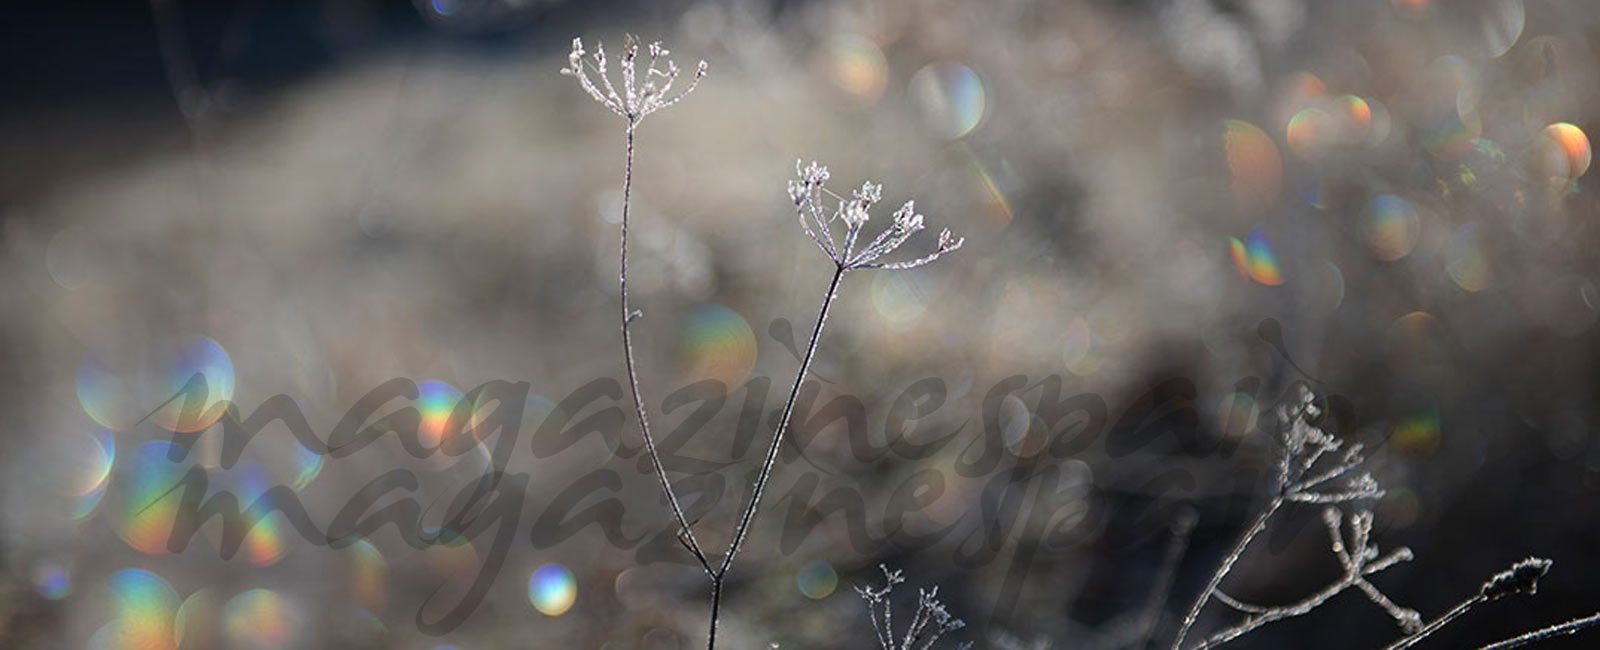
x=307, y=467
x=900, y=298
x=1415, y=340
x=1449, y=135
x=999, y=210
x=436, y=401
x=197, y=366
x=369, y=576
x=1253, y=163
x=85, y=505
x=1237, y=415
x=1419, y=432
x=1254, y=258
x=148, y=492
x=87, y=459
x=197, y=622
x=105, y=396
x=1328, y=291
x=1568, y=147
x=1390, y=227
x=1357, y=110
x=53, y=580
x=951, y=98
x=817, y=580
x=1022, y=434
x=1465, y=261
x=856, y=66
x=552, y=589
x=260, y=619
x=266, y=543
x=1078, y=349
x=1502, y=24
x=1303, y=87
x=718, y=344
x=143, y=606
x=1310, y=132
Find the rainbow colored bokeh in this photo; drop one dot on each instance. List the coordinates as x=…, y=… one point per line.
x=143, y=606
x=147, y=493
x=1390, y=227
x=817, y=580
x=1253, y=257
x=1573, y=147
x=718, y=344
x=552, y=589
x=436, y=401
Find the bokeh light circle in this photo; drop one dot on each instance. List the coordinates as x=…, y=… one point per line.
x=195, y=362
x=1254, y=259
x=552, y=589
x=856, y=66
x=105, y=396
x=718, y=344
x=436, y=401
x=1565, y=150
x=53, y=580
x=951, y=97
x=1390, y=227
x=143, y=607
x=147, y=492
x=1255, y=168
x=260, y=619
x=817, y=580
x=1465, y=260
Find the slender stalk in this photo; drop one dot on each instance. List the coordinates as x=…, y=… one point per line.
x=783, y=425
x=1437, y=623
x=633, y=375
x=749, y=515
x=1560, y=629
x=1177, y=543
x=1226, y=566
x=716, y=610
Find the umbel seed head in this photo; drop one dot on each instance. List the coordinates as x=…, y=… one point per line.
x=639, y=97
x=1522, y=578
x=853, y=213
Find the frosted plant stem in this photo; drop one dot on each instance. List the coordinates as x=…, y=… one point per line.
x=772, y=454
x=716, y=610
x=687, y=535
x=1177, y=543
x=1561, y=629
x=1437, y=623
x=1226, y=566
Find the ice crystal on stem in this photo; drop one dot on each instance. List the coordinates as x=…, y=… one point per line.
x=930, y=622
x=853, y=213
x=638, y=97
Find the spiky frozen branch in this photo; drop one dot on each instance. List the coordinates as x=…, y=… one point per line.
x=637, y=98
x=930, y=622
x=853, y=213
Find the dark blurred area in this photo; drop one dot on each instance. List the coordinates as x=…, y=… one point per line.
x=1187, y=203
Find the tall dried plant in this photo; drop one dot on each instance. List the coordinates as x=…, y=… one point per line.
x=847, y=217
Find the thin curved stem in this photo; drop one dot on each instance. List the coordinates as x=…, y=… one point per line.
x=687, y=534
x=1561, y=629
x=1223, y=569
x=720, y=575
x=716, y=610
x=783, y=426
x=1437, y=623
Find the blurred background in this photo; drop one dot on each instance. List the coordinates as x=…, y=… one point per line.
x=311, y=198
